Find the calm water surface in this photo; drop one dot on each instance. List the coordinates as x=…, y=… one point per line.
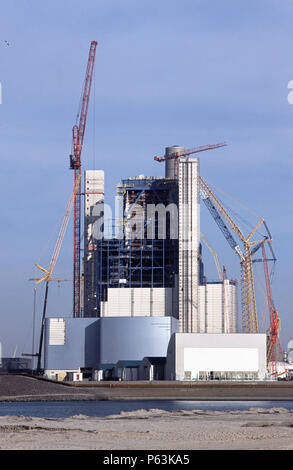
x=105, y=408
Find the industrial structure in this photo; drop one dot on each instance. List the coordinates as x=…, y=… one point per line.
x=142, y=300
x=75, y=164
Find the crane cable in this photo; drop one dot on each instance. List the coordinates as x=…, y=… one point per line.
x=248, y=224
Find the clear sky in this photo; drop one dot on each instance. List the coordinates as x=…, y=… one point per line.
x=188, y=72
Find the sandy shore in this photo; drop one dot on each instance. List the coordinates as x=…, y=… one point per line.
x=254, y=429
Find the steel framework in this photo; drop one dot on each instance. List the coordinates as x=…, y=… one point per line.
x=140, y=258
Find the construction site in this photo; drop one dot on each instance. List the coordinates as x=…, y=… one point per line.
x=143, y=308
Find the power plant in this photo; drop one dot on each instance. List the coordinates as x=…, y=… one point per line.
x=143, y=308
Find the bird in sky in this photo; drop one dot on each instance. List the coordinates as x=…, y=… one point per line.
x=7, y=43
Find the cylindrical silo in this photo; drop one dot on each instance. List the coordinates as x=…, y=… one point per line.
x=170, y=164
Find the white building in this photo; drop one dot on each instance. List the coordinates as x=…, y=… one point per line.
x=138, y=302
x=193, y=356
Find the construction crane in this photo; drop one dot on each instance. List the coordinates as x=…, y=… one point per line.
x=226, y=290
x=185, y=153
x=215, y=255
x=78, y=132
x=273, y=334
x=248, y=300
x=47, y=277
x=56, y=279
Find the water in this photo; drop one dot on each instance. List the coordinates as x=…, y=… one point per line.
x=65, y=409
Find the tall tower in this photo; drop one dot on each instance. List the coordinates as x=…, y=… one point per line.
x=189, y=244
x=93, y=214
x=93, y=198
x=171, y=165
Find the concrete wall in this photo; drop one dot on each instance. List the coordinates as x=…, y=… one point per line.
x=189, y=354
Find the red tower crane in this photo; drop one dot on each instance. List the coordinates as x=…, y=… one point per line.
x=185, y=153
x=273, y=334
x=75, y=164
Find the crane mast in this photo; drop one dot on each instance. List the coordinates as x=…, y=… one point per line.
x=48, y=272
x=78, y=132
x=274, y=319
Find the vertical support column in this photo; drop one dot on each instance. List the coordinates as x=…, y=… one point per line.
x=93, y=222
x=93, y=206
x=189, y=234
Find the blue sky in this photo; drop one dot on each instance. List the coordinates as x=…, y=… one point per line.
x=188, y=72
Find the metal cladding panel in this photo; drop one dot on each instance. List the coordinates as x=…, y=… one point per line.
x=134, y=302
x=212, y=308
x=56, y=331
x=90, y=341
x=79, y=348
x=215, y=308
x=119, y=303
x=134, y=338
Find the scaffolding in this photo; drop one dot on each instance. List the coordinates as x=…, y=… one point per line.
x=145, y=255
x=124, y=265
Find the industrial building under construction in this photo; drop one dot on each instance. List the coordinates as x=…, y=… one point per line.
x=142, y=305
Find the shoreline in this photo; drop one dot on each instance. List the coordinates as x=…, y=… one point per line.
x=24, y=387
x=254, y=428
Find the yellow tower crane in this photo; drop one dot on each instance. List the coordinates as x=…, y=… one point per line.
x=215, y=255
x=47, y=277
x=248, y=300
